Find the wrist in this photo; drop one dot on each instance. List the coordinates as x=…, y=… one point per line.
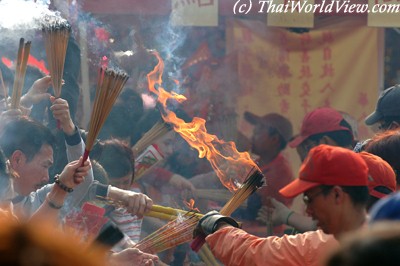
x=69, y=129
x=55, y=198
x=287, y=221
x=61, y=185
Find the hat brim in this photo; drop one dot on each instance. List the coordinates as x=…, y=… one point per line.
x=296, y=187
x=297, y=141
x=373, y=118
x=252, y=118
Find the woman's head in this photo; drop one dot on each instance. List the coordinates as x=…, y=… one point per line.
x=117, y=159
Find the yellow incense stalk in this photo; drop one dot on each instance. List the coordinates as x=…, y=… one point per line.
x=156, y=211
x=167, y=213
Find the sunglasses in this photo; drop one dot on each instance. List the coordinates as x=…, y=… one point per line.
x=308, y=199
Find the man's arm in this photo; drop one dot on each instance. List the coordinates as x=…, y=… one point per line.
x=74, y=147
x=233, y=246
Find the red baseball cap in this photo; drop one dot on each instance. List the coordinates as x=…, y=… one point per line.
x=320, y=120
x=380, y=174
x=328, y=165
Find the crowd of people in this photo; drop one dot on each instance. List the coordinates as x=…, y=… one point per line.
x=348, y=186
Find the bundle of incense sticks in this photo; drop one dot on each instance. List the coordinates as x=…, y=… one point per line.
x=56, y=33
x=156, y=211
x=159, y=129
x=109, y=85
x=172, y=234
x=251, y=184
x=181, y=229
x=20, y=70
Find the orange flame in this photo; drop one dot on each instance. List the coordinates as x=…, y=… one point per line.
x=190, y=205
x=232, y=167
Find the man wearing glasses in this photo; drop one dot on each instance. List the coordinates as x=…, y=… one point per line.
x=334, y=183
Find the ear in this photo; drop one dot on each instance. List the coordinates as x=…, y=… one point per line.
x=394, y=125
x=17, y=159
x=338, y=194
x=328, y=141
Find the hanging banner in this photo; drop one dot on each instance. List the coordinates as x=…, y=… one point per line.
x=284, y=13
x=194, y=13
x=384, y=13
x=292, y=74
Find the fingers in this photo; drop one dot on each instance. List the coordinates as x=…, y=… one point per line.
x=138, y=204
x=58, y=104
x=76, y=171
x=42, y=84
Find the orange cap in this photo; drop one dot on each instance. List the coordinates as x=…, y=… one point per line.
x=380, y=174
x=328, y=165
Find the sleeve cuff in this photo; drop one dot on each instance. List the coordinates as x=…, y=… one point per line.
x=74, y=139
x=102, y=190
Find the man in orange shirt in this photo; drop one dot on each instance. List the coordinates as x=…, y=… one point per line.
x=334, y=182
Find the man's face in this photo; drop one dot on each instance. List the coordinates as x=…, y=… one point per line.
x=34, y=174
x=304, y=148
x=383, y=126
x=321, y=208
x=261, y=141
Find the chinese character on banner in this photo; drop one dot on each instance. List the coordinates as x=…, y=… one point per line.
x=327, y=38
x=383, y=13
x=283, y=89
x=194, y=12
x=327, y=71
x=305, y=90
x=327, y=88
x=284, y=106
x=305, y=72
x=296, y=17
x=327, y=53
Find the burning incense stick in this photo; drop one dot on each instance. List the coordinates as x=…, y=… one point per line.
x=56, y=33
x=181, y=229
x=109, y=85
x=170, y=235
x=159, y=129
x=249, y=187
x=20, y=70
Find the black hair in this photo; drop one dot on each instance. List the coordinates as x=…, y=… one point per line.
x=115, y=156
x=359, y=194
x=25, y=135
x=99, y=173
x=343, y=138
x=124, y=116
